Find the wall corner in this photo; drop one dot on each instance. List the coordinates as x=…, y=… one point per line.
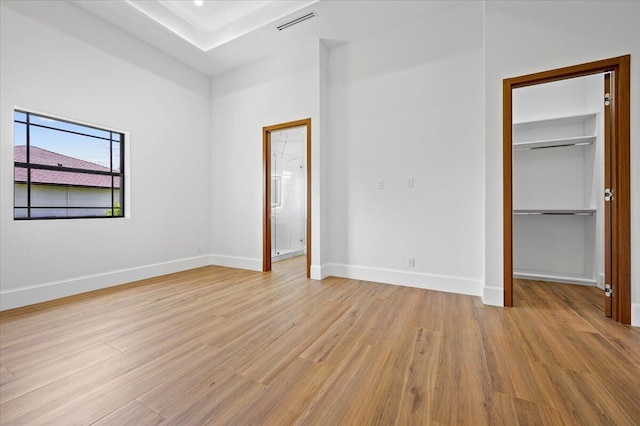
x=493, y=296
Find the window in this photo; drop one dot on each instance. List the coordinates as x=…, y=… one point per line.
x=66, y=170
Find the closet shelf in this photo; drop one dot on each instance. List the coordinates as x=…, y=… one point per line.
x=554, y=212
x=556, y=121
x=555, y=143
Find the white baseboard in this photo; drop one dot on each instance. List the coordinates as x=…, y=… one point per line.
x=493, y=296
x=237, y=262
x=635, y=314
x=23, y=296
x=445, y=283
x=554, y=278
x=320, y=272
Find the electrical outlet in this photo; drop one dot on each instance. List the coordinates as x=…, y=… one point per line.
x=410, y=182
x=199, y=250
x=380, y=184
x=411, y=262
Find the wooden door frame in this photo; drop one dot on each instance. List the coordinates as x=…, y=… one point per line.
x=266, y=174
x=620, y=173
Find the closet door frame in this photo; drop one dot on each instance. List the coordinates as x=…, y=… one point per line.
x=266, y=174
x=620, y=225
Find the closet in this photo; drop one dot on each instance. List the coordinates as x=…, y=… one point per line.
x=558, y=175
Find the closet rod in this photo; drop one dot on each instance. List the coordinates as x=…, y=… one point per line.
x=553, y=213
x=550, y=146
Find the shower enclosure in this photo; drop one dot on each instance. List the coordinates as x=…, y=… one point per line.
x=288, y=193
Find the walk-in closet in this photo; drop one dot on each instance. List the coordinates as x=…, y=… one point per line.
x=558, y=181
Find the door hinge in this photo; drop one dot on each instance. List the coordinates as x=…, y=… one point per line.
x=608, y=194
x=607, y=99
x=608, y=291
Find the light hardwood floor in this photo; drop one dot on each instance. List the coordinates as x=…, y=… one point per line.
x=224, y=346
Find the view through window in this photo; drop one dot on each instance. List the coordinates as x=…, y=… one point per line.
x=66, y=170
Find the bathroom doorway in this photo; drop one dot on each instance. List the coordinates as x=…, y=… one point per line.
x=287, y=206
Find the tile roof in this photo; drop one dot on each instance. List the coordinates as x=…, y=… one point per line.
x=50, y=158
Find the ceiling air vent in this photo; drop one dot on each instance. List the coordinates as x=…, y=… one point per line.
x=296, y=20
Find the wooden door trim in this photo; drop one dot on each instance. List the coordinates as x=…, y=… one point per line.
x=620, y=173
x=266, y=174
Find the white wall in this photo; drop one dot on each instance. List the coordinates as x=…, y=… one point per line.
x=527, y=37
x=556, y=99
x=57, y=59
x=408, y=103
x=277, y=90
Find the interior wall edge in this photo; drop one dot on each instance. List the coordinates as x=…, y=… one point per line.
x=492, y=295
x=29, y=295
x=319, y=272
x=635, y=314
x=449, y=284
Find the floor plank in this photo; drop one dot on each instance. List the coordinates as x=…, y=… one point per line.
x=52, y=369
x=131, y=414
x=5, y=376
x=224, y=346
x=287, y=397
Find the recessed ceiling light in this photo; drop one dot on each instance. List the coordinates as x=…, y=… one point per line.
x=198, y=2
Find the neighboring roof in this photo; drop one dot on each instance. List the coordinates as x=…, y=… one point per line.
x=52, y=177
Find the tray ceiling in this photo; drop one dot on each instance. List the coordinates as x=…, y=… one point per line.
x=221, y=35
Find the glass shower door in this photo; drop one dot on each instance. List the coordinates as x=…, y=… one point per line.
x=288, y=193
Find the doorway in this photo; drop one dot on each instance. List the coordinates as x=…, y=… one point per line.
x=287, y=193
x=617, y=224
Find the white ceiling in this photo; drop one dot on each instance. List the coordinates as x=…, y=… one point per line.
x=212, y=15
x=222, y=35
